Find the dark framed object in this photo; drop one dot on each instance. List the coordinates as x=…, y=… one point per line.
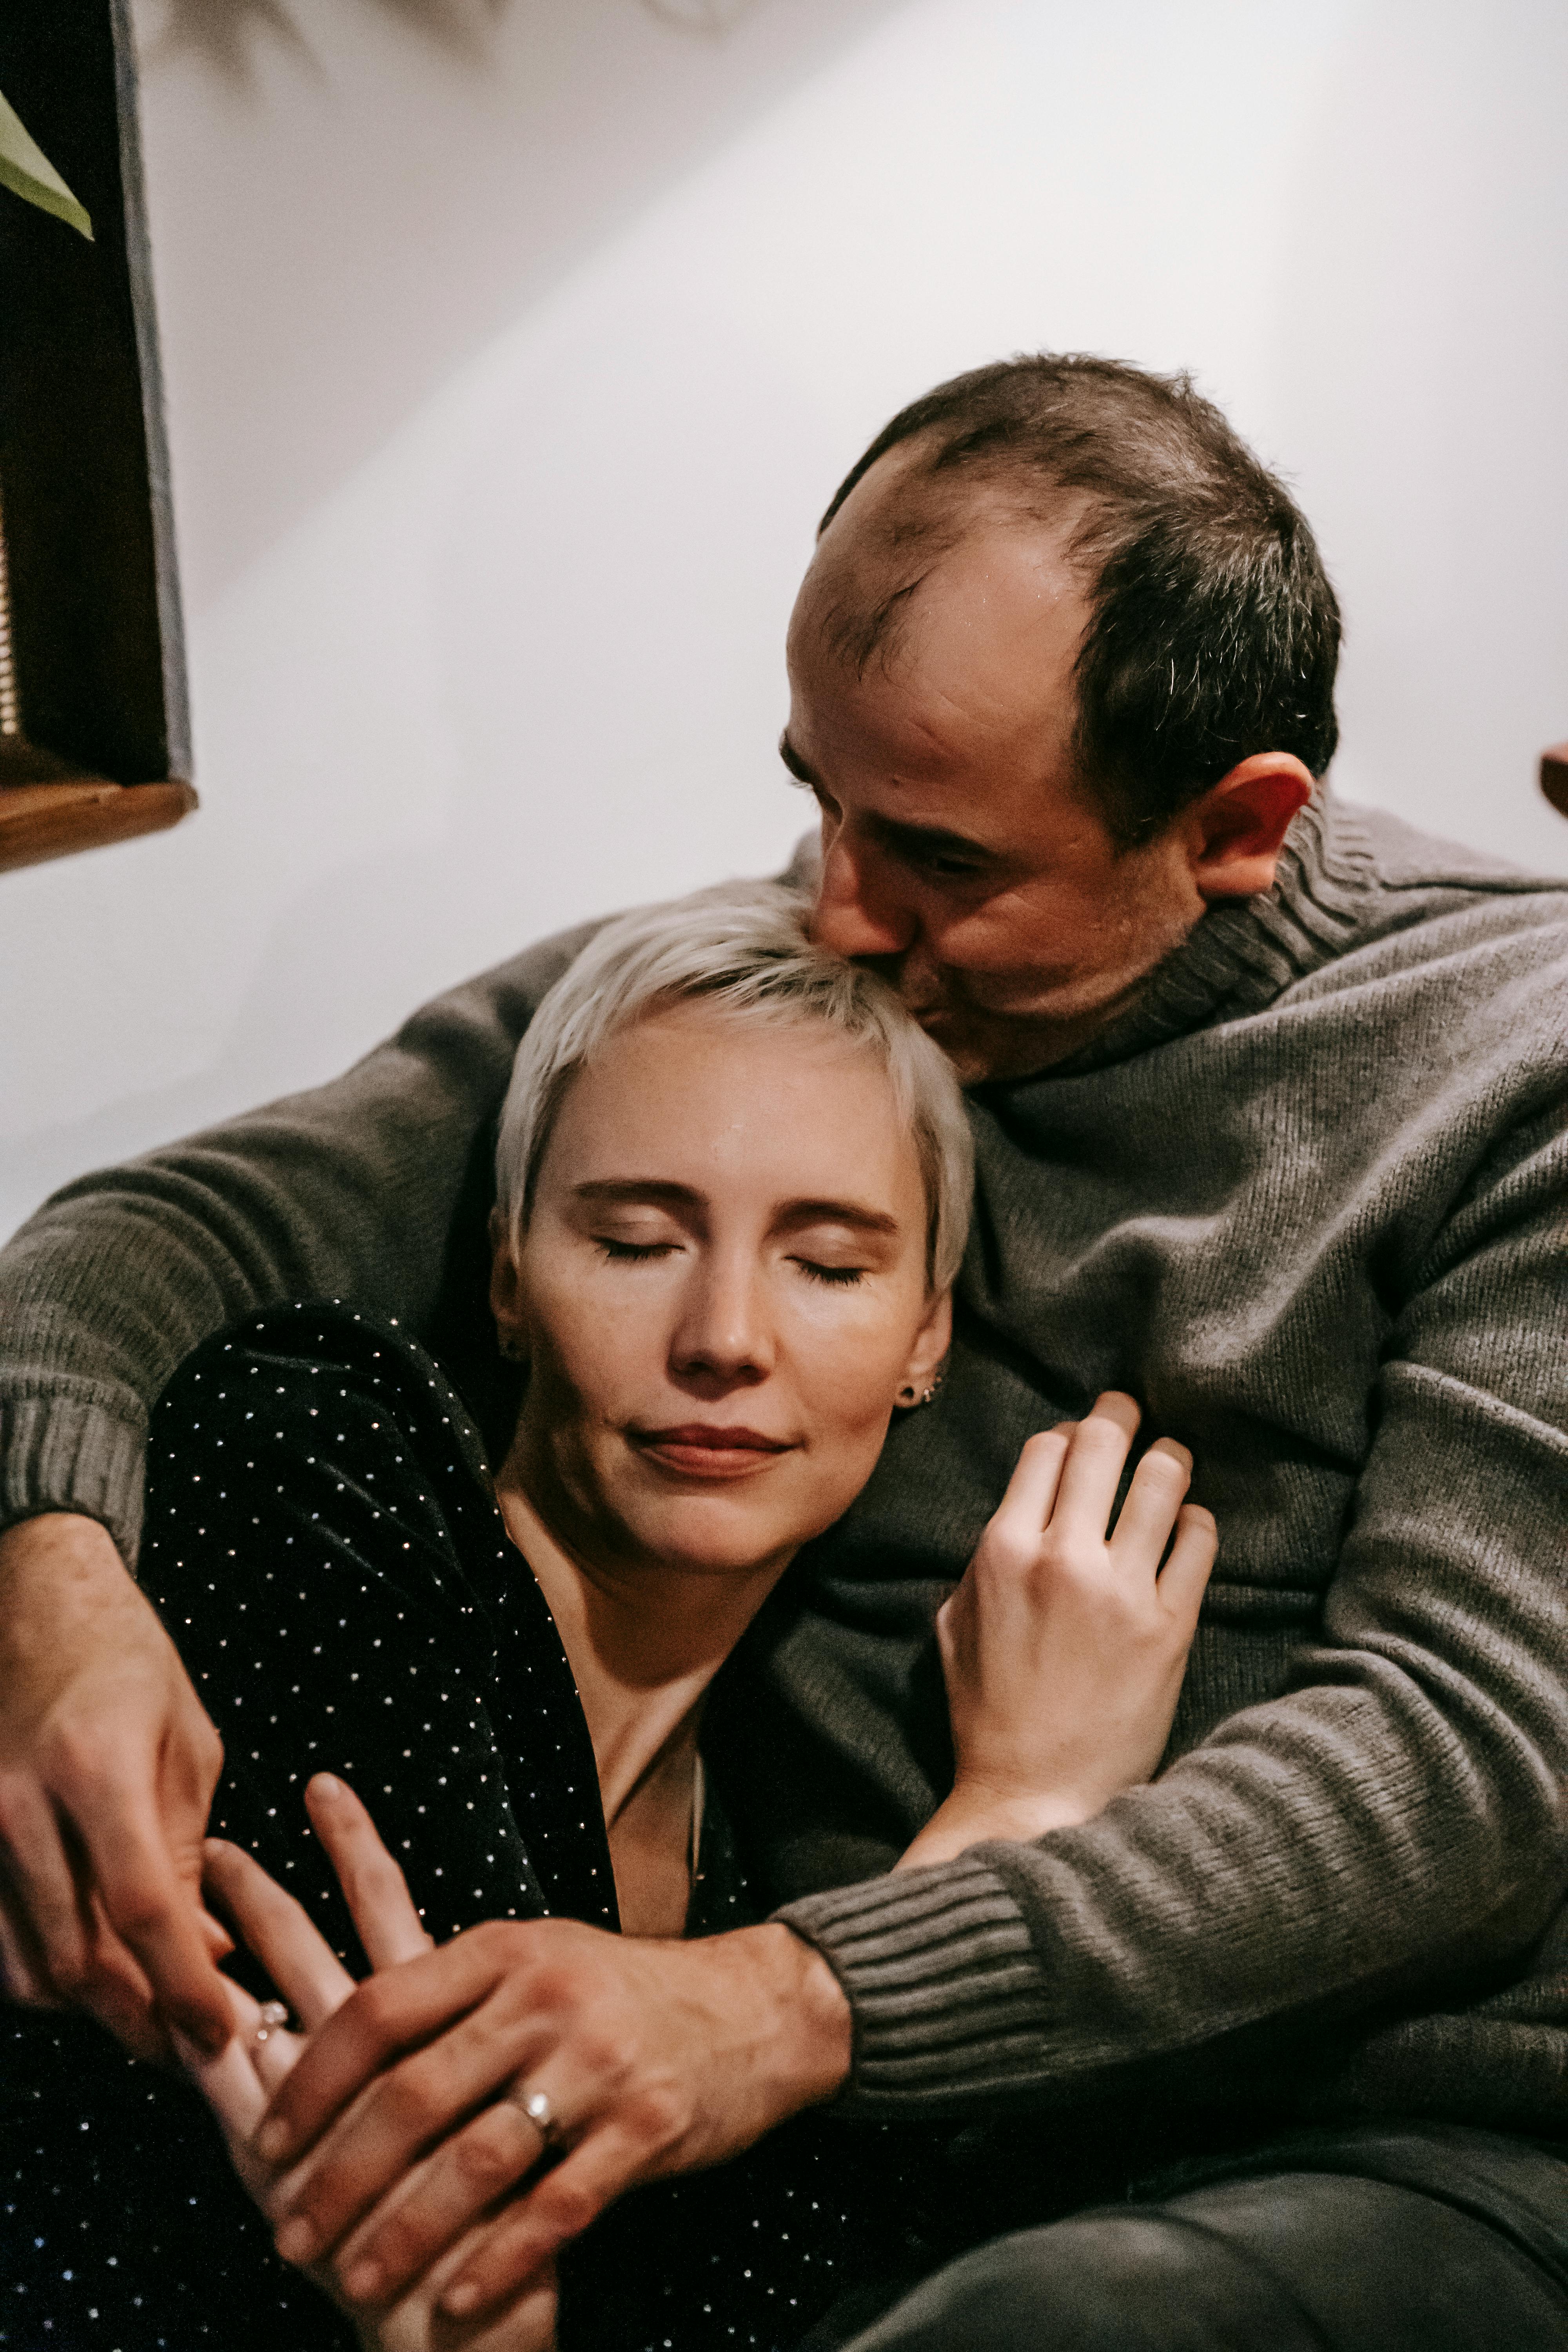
x=94, y=726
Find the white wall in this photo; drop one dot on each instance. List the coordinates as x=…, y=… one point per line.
x=513, y=349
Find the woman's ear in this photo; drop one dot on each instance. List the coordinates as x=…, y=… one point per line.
x=506, y=1291
x=933, y=1342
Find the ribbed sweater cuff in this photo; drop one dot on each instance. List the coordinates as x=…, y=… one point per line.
x=68, y=1454
x=946, y=1991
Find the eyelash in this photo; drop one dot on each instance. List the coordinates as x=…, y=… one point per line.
x=834, y=1278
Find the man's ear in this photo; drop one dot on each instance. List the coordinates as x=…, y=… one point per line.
x=933, y=1342
x=1234, y=834
x=506, y=1288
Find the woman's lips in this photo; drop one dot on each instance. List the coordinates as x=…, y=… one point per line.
x=710, y=1449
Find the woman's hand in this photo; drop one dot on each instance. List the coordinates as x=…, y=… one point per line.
x=238, y=2084
x=1064, y=1647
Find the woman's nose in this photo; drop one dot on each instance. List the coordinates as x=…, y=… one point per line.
x=858, y=909
x=724, y=1330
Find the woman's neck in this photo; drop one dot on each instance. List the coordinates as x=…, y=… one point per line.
x=644, y=1640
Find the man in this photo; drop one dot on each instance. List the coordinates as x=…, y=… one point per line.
x=1271, y=1119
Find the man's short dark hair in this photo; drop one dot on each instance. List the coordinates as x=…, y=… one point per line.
x=1213, y=633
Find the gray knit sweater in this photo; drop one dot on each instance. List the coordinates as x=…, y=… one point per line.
x=1309, y=1201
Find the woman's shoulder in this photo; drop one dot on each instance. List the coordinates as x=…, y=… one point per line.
x=309, y=1352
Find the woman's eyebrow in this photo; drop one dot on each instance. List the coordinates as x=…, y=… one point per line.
x=839, y=1213
x=658, y=1189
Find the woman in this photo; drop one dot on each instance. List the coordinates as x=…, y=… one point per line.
x=732, y=1180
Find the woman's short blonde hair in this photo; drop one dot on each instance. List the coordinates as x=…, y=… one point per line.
x=743, y=950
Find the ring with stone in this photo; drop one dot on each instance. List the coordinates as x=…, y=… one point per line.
x=271, y=2018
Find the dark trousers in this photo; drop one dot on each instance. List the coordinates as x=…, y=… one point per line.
x=1425, y=2238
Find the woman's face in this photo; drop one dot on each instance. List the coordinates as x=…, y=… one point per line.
x=720, y=1292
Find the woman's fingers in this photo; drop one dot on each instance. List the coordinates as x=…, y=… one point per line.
x=276, y=1930
x=1184, y=1577
x=1091, y=1473
x=1146, y=1518
x=375, y=1889
x=1032, y=1489
x=229, y=2082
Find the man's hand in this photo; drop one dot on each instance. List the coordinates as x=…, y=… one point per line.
x=655, y=2058
x=108, y=1764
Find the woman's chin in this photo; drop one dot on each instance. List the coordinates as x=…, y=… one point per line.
x=715, y=1534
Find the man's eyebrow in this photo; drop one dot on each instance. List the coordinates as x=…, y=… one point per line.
x=895, y=832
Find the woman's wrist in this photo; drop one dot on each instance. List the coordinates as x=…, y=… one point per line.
x=976, y=1812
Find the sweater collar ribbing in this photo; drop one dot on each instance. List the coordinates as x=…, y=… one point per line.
x=1242, y=955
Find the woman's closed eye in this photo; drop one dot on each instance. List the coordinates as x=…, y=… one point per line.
x=621, y=1252
x=837, y=1278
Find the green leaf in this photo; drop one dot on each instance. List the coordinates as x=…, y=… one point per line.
x=25, y=168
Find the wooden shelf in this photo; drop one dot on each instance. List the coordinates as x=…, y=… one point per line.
x=52, y=820
x=1554, y=777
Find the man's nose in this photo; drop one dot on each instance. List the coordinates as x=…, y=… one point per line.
x=860, y=910
x=725, y=1331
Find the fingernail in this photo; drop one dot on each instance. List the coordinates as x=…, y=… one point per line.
x=272, y=2141
x=459, y=2298
x=329, y=1784
x=362, y=2282
x=296, y=2240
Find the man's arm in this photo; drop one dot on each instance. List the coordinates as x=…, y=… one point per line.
x=1388, y=1833
x=350, y=1189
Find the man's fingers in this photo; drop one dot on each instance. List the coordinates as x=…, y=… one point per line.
x=278, y=1932
x=43, y=1884
x=1149, y=1514
x=376, y=1892
x=534, y=2229
x=1184, y=1577
x=387, y=2014
x=21, y=1978
x=396, y=2119
x=436, y=2200
x=155, y=1914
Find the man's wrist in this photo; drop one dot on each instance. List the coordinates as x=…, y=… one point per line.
x=809, y=2044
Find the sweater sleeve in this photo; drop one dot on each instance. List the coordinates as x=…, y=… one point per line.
x=1385, y=1836
x=350, y=1189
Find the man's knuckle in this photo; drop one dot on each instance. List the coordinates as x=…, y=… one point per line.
x=660, y=2116
x=138, y=1912
x=571, y=2204
x=485, y=2162
x=409, y=2104
x=606, y=2052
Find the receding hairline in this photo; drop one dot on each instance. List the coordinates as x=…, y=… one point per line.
x=928, y=517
